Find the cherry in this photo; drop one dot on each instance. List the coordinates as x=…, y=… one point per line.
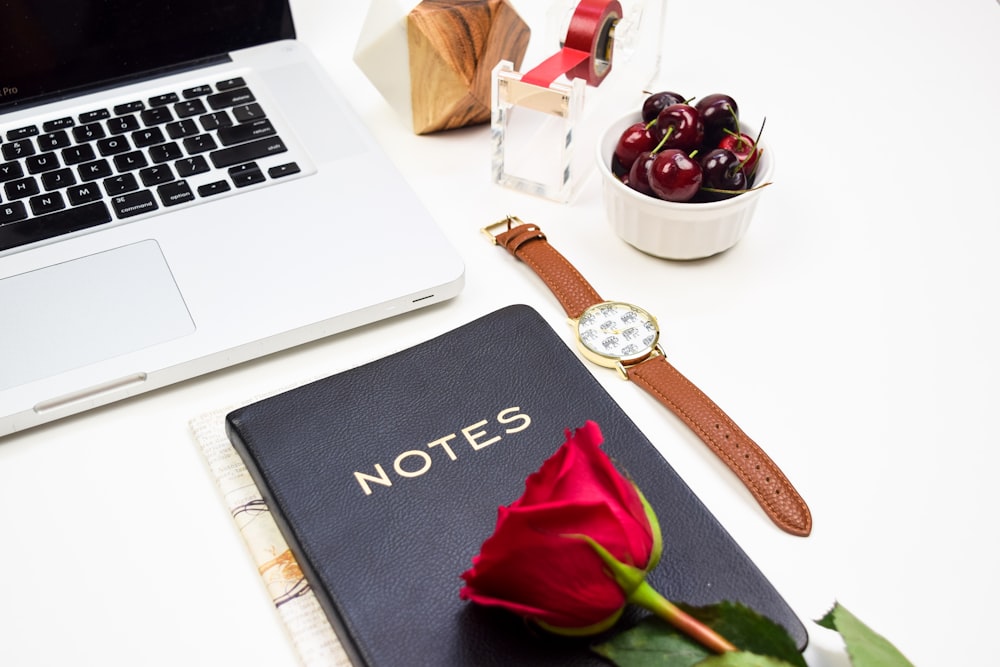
x=638, y=175
x=635, y=139
x=719, y=113
x=721, y=170
x=674, y=176
x=745, y=148
x=655, y=103
x=688, y=130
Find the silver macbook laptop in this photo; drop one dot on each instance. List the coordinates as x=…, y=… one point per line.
x=182, y=188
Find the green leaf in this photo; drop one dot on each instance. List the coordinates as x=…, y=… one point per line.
x=652, y=642
x=865, y=647
x=749, y=631
x=742, y=659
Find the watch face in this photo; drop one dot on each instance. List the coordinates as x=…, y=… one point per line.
x=615, y=331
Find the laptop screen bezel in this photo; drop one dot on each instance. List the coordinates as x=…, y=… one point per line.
x=62, y=48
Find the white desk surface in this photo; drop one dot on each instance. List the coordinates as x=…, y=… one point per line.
x=853, y=333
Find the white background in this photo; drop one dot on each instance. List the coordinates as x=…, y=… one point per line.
x=852, y=333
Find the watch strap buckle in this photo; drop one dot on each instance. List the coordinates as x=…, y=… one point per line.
x=511, y=233
x=492, y=231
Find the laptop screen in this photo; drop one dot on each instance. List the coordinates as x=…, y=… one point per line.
x=58, y=48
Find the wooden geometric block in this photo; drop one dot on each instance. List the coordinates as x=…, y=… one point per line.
x=453, y=47
x=433, y=60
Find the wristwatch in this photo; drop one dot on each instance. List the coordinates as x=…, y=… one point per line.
x=617, y=334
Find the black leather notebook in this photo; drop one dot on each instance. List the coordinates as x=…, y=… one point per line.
x=385, y=480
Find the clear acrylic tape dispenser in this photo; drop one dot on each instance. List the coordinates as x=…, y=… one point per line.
x=542, y=128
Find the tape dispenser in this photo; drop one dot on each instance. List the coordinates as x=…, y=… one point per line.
x=542, y=127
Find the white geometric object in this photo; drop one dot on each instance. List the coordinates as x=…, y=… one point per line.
x=383, y=55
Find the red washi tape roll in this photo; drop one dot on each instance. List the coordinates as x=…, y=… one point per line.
x=586, y=53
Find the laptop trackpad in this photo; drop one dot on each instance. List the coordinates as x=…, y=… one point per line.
x=86, y=310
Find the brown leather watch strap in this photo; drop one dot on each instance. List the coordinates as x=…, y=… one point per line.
x=527, y=243
x=769, y=486
x=752, y=465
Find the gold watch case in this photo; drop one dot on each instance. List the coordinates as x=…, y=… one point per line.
x=615, y=334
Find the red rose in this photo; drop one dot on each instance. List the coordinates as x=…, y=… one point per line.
x=547, y=560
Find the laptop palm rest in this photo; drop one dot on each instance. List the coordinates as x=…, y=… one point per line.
x=87, y=310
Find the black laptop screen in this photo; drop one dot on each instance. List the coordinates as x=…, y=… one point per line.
x=58, y=48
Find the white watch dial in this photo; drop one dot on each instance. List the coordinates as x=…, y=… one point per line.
x=616, y=331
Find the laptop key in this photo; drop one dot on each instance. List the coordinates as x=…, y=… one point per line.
x=53, y=140
x=113, y=145
x=117, y=185
x=84, y=193
x=148, y=137
x=90, y=171
x=156, y=116
x=47, y=203
x=78, y=154
x=229, y=84
x=129, y=107
x=246, y=174
x=89, y=132
x=58, y=179
x=214, y=188
x=247, y=112
x=230, y=98
x=134, y=203
x=160, y=100
x=22, y=132
x=165, y=152
x=10, y=170
x=37, y=164
x=172, y=194
x=189, y=108
x=57, y=124
x=155, y=175
x=286, y=169
x=93, y=116
x=191, y=166
x=200, y=143
x=18, y=149
x=12, y=212
x=197, y=91
x=182, y=128
x=53, y=224
x=215, y=120
x=254, y=150
x=123, y=124
x=22, y=187
x=237, y=134
x=130, y=161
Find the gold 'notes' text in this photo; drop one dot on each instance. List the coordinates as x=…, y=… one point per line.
x=416, y=462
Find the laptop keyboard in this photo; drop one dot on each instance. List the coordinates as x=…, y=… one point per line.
x=73, y=173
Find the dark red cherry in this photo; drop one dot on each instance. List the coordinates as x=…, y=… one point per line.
x=720, y=169
x=635, y=139
x=638, y=175
x=674, y=176
x=681, y=125
x=745, y=149
x=719, y=113
x=654, y=104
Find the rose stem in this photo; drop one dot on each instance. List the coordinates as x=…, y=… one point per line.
x=647, y=597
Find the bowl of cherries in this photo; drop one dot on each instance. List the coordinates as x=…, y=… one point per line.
x=681, y=177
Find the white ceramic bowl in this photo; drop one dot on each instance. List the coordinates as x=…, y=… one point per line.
x=676, y=230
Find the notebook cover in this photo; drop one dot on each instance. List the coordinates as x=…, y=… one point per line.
x=385, y=565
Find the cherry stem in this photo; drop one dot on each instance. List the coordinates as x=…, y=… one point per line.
x=666, y=135
x=736, y=192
